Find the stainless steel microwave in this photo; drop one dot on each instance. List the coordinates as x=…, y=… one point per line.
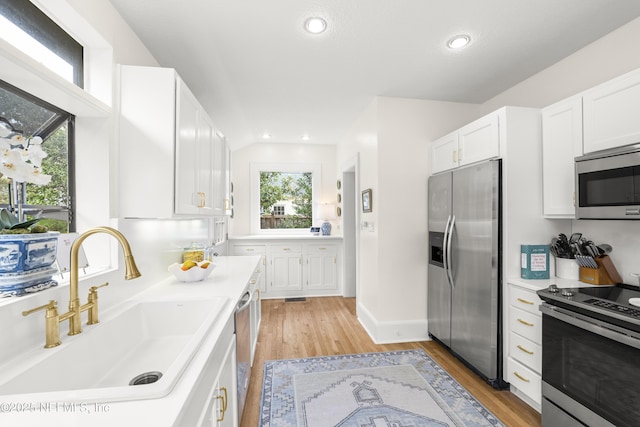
x=608, y=184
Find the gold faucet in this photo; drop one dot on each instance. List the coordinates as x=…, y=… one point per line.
x=75, y=308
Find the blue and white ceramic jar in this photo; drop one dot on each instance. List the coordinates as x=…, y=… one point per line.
x=27, y=260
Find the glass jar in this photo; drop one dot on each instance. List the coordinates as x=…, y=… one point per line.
x=195, y=252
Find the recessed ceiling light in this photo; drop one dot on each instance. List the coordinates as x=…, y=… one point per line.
x=305, y=137
x=266, y=135
x=315, y=25
x=459, y=41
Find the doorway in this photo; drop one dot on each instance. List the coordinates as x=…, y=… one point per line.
x=350, y=229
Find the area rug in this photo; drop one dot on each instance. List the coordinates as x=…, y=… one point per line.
x=398, y=388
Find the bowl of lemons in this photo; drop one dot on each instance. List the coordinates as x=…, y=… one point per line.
x=191, y=271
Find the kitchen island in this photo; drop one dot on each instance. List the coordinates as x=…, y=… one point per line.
x=197, y=392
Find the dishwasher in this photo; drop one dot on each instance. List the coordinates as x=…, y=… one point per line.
x=243, y=348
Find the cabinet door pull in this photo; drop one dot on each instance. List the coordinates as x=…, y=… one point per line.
x=225, y=400
x=460, y=155
x=524, y=301
x=250, y=249
x=525, y=323
x=453, y=156
x=286, y=249
x=521, y=377
x=521, y=348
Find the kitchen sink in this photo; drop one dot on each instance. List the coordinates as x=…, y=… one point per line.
x=146, y=344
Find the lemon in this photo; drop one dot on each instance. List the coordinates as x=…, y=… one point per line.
x=188, y=264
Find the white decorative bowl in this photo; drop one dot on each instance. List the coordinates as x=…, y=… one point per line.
x=194, y=274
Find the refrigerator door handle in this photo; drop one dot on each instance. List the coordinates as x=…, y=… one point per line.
x=448, y=239
x=445, y=260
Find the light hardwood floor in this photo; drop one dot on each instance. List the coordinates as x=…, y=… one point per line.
x=328, y=326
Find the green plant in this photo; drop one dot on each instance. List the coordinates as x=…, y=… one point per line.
x=11, y=225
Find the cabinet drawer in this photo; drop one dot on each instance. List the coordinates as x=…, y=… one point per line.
x=525, y=351
x=285, y=249
x=249, y=249
x=320, y=249
x=524, y=299
x=524, y=379
x=526, y=324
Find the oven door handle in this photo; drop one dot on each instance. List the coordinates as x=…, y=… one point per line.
x=603, y=329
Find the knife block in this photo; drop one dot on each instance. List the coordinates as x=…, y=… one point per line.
x=605, y=274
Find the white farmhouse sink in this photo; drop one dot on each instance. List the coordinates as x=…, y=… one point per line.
x=99, y=363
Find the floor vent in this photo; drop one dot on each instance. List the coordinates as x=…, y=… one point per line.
x=295, y=299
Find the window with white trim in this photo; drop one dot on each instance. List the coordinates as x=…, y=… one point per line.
x=283, y=196
x=27, y=28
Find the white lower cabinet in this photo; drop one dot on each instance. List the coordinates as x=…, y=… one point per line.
x=213, y=401
x=254, y=250
x=295, y=267
x=286, y=267
x=256, y=306
x=524, y=332
x=321, y=262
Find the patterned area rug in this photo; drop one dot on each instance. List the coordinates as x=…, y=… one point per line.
x=399, y=389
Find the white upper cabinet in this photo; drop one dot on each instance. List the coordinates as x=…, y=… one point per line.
x=167, y=154
x=561, y=143
x=194, y=151
x=479, y=140
x=221, y=175
x=444, y=153
x=611, y=117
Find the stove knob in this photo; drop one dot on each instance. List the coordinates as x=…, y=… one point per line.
x=553, y=289
x=567, y=293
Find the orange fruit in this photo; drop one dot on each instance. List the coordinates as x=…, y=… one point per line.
x=205, y=264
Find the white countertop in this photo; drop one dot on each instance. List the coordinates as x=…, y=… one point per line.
x=284, y=237
x=536, y=285
x=229, y=279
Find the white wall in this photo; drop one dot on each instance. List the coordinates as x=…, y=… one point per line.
x=392, y=136
x=278, y=153
x=606, y=58
x=602, y=60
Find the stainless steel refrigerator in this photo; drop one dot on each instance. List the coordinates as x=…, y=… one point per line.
x=464, y=270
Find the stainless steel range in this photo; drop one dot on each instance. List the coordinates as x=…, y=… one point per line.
x=590, y=356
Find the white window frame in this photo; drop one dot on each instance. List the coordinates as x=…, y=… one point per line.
x=257, y=167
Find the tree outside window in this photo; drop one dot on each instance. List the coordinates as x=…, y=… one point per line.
x=286, y=200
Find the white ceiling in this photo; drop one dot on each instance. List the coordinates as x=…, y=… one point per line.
x=255, y=69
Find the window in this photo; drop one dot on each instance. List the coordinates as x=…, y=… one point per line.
x=24, y=114
x=283, y=197
x=27, y=28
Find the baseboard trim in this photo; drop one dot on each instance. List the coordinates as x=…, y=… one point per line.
x=391, y=332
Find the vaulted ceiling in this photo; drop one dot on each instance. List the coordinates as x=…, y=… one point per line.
x=255, y=68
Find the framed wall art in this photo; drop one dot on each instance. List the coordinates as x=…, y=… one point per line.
x=367, y=202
